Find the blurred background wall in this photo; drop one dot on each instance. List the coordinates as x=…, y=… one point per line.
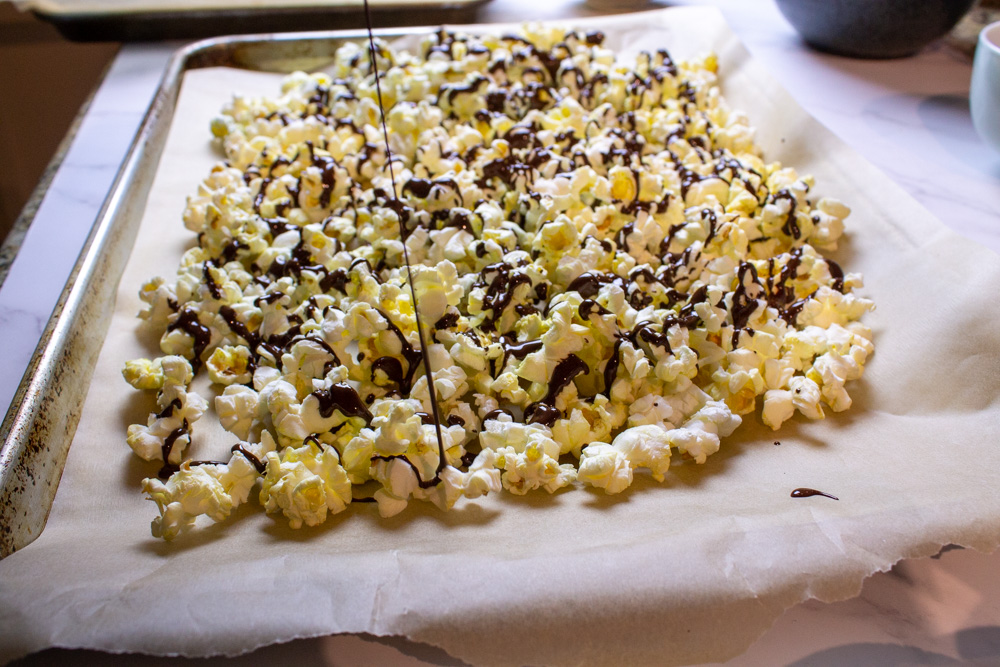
x=44, y=80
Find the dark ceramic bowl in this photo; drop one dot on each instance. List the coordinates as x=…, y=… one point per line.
x=872, y=28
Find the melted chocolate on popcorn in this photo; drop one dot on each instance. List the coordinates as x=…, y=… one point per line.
x=500, y=291
x=791, y=226
x=743, y=306
x=520, y=350
x=254, y=461
x=589, y=283
x=544, y=411
x=590, y=307
x=187, y=321
x=169, y=410
x=341, y=396
x=495, y=414
x=837, y=274
x=169, y=468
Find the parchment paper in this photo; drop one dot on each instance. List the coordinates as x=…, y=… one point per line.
x=691, y=570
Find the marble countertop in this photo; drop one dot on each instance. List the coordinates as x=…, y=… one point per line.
x=909, y=117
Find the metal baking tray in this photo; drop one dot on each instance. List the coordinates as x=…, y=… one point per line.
x=39, y=426
x=141, y=20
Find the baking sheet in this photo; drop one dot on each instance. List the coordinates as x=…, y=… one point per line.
x=687, y=571
x=145, y=20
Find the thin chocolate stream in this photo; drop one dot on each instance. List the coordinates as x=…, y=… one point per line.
x=406, y=257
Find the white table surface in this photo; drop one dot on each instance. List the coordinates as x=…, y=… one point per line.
x=910, y=117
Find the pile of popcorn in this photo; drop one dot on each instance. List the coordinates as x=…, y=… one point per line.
x=606, y=271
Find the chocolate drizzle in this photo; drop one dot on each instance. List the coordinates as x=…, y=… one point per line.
x=187, y=321
x=168, y=446
x=544, y=411
x=791, y=226
x=343, y=397
x=589, y=283
x=743, y=305
x=500, y=292
x=520, y=350
x=808, y=493
x=249, y=456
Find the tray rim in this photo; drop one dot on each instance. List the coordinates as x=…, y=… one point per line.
x=54, y=9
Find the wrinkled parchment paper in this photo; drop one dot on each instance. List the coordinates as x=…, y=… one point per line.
x=691, y=570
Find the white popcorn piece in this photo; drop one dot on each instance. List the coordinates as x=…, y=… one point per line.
x=305, y=484
x=605, y=467
x=211, y=489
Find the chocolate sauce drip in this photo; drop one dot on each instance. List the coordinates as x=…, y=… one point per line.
x=335, y=280
x=455, y=420
x=168, y=468
x=451, y=91
x=688, y=178
x=541, y=413
x=837, y=274
x=270, y=299
x=447, y=321
x=412, y=356
x=791, y=226
x=791, y=313
x=169, y=410
x=495, y=414
x=623, y=234
x=743, y=306
x=421, y=482
x=391, y=367
x=544, y=411
x=326, y=348
x=520, y=137
x=605, y=244
x=277, y=226
x=507, y=169
x=328, y=174
x=643, y=331
x=589, y=283
x=238, y=327
x=343, y=397
x=261, y=193
x=371, y=271
x=611, y=368
x=590, y=307
x=187, y=321
x=229, y=250
x=808, y=493
x=709, y=215
x=520, y=350
x=419, y=187
x=500, y=292
x=425, y=418
x=249, y=456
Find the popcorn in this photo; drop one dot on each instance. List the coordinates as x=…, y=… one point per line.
x=606, y=272
x=305, y=484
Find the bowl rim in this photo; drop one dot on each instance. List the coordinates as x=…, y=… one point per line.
x=989, y=37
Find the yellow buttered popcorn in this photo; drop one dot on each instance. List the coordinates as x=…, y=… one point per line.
x=608, y=276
